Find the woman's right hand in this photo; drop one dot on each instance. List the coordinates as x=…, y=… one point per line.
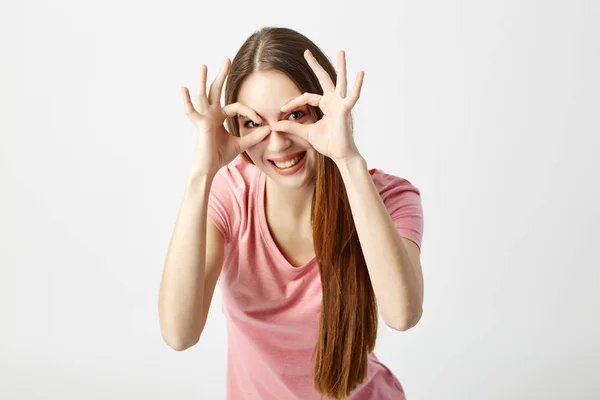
x=216, y=147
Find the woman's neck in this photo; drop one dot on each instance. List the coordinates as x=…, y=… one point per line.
x=294, y=203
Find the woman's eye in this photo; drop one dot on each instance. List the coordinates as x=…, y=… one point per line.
x=250, y=122
x=298, y=112
x=301, y=114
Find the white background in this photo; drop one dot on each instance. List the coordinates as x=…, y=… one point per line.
x=490, y=108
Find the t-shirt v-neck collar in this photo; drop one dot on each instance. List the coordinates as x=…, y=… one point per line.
x=264, y=227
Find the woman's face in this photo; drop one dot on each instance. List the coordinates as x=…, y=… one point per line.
x=266, y=92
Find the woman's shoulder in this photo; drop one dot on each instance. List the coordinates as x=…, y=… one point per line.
x=237, y=175
x=231, y=195
x=385, y=181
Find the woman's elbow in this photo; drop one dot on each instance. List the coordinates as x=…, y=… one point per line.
x=179, y=343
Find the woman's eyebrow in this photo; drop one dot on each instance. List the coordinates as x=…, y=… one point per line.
x=242, y=117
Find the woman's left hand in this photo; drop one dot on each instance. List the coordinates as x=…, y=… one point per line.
x=330, y=135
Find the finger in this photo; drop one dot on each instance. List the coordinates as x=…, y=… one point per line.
x=201, y=91
x=294, y=128
x=253, y=138
x=322, y=75
x=187, y=102
x=355, y=93
x=341, y=82
x=312, y=99
x=214, y=94
x=231, y=110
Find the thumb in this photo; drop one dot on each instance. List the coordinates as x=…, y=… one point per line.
x=245, y=142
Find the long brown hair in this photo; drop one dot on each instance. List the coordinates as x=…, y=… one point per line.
x=348, y=326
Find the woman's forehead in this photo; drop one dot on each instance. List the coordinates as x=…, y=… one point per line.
x=267, y=91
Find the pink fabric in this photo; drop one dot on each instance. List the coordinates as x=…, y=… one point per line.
x=272, y=309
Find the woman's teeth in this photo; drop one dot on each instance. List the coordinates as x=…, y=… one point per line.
x=288, y=164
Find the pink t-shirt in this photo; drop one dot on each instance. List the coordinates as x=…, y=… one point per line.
x=272, y=309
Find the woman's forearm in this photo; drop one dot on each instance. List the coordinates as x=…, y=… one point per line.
x=182, y=284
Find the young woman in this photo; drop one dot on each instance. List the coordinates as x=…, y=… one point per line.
x=307, y=243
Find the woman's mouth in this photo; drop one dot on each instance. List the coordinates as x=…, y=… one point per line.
x=290, y=166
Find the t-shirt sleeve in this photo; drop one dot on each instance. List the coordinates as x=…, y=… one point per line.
x=403, y=201
x=221, y=203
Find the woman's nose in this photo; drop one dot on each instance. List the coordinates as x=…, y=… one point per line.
x=279, y=139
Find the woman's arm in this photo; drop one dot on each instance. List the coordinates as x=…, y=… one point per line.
x=182, y=285
x=393, y=262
